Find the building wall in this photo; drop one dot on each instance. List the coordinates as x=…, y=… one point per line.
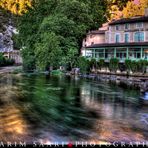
x=15, y=55
x=111, y=33
x=94, y=39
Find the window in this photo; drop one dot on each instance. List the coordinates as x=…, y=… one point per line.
x=117, y=38
x=138, y=55
x=117, y=27
x=139, y=25
x=139, y=37
x=127, y=26
x=126, y=37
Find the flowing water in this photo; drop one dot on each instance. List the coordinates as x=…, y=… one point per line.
x=43, y=108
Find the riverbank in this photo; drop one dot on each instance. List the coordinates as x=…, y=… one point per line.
x=139, y=82
x=118, y=73
x=9, y=69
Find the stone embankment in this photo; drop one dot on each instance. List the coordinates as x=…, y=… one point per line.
x=8, y=69
x=137, y=82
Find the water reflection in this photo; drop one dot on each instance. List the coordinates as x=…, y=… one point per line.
x=146, y=96
x=58, y=109
x=13, y=126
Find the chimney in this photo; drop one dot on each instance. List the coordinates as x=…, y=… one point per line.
x=146, y=11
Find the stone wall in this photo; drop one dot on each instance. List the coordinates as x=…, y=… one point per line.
x=137, y=82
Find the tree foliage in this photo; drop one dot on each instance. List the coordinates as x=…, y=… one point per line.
x=48, y=51
x=4, y=19
x=120, y=3
x=135, y=9
x=115, y=8
x=18, y=7
x=83, y=64
x=51, y=33
x=126, y=8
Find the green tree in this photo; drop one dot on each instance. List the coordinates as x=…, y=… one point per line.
x=28, y=59
x=98, y=10
x=28, y=26
x=83, y=64
x=48, y=51
x=67, y=31
x=68, y=20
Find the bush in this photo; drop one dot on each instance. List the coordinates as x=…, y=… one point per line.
x=114, y=64
x=2, y=60
x=9, y=62
x=83, y=64
x=128, y=65
x=93, y=63
x=134, y=66
x=142, y=64
x=5, y=61
x=101, y=64
x=122, y=67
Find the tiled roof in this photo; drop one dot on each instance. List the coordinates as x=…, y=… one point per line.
x=141, y=44
x=130, y=20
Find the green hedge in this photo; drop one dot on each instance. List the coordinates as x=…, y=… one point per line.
x=136, y=66
x=114, y=65
x=129, y=65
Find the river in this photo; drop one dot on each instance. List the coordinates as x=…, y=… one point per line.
x=48, y=109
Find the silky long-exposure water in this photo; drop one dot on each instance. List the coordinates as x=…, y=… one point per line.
x=48, y=109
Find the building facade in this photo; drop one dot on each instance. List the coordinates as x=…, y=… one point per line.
x=15, y=55
x=122, y=39
x=7, y=45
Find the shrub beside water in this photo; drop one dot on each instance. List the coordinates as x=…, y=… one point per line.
x=5, y=61
x=84, y=64
x=136, y=66
x=113, y=65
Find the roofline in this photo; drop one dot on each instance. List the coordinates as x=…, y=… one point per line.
x=97, y=32
x=119, y=45
x=130, y=20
